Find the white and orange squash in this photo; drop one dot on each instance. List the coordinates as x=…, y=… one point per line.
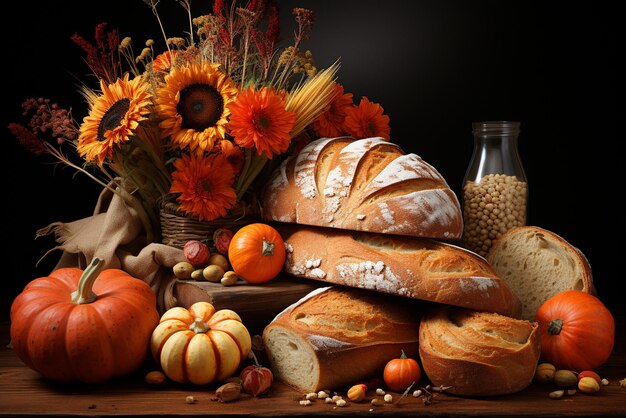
x=200, y=345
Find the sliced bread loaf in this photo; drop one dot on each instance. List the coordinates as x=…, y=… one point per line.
x=337, y=336
x=537, y=264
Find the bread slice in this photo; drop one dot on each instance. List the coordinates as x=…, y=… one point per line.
x=537, y=264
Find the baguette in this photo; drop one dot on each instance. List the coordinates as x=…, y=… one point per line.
x=363, y=185
x=478, y=353
x=411, y=267
x=337, y=336
x=537, y=264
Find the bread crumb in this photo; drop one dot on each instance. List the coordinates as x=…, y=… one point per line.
x=360, y=216
x=297, y=269
x=288, y=247
x=312, y=263
x=318, y=272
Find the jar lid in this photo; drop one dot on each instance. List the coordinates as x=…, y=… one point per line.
x=496, y=128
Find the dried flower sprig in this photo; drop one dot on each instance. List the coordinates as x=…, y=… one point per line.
x=103, y=57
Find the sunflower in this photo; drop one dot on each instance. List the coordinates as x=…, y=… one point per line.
x=233, y=154
x=204, y=184
x=113, y=117
x=193, y=105
x=367, y=120
x=330, y=123
x=259, y=119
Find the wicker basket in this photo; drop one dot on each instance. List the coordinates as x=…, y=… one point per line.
x=177, y=228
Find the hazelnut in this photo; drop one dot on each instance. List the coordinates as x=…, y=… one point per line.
x=155, y=377
x=228, y=392
x=545, y=373
x=566, y=378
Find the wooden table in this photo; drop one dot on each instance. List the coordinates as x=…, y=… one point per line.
x=23, y=393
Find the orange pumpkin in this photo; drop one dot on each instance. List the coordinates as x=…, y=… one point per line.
x=577, y=331
x=400, y=373
x=257, y=253
x=86, y=326
x=200, y=345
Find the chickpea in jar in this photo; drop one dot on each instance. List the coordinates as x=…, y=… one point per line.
x=492, y=206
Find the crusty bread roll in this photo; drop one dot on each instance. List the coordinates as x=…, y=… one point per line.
x=416, y=268
x=537, y=264
x=363, y=185
x=337, y=336
x=478, y=353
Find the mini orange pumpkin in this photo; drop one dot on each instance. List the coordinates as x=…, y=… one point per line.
x=200, y=345
x=257, y=253
x=400, y=373
x=577, y=331
x=86, y=326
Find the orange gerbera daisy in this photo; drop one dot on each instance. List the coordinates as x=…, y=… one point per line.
x=259, y=119
x=163, y=62
x=367, y=120
x=233, y=154
x=113, y=117
x=193, y=105
x=204, y=184
x=330, y=123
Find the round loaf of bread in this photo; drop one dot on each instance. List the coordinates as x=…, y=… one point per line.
x=363, y=185
x=478, y=353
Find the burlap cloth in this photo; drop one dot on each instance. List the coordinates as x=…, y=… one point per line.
x=115, y=234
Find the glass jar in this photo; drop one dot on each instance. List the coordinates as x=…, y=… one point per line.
x=495, y=191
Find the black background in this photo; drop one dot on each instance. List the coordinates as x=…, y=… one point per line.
x=435, y=66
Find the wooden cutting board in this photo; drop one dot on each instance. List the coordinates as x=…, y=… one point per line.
x=256, y=304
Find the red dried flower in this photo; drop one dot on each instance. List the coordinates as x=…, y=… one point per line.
x=27, y=139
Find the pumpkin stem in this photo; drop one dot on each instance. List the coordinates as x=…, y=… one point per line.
x=268, y=247
x=402, y=355
x=554, y=326
x=199, y=326
x=84, y=293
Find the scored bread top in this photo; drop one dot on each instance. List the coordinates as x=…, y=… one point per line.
x=417, y=268
x=453, y=333
x=335, y=317
x=364, y=185
x=478, y=353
